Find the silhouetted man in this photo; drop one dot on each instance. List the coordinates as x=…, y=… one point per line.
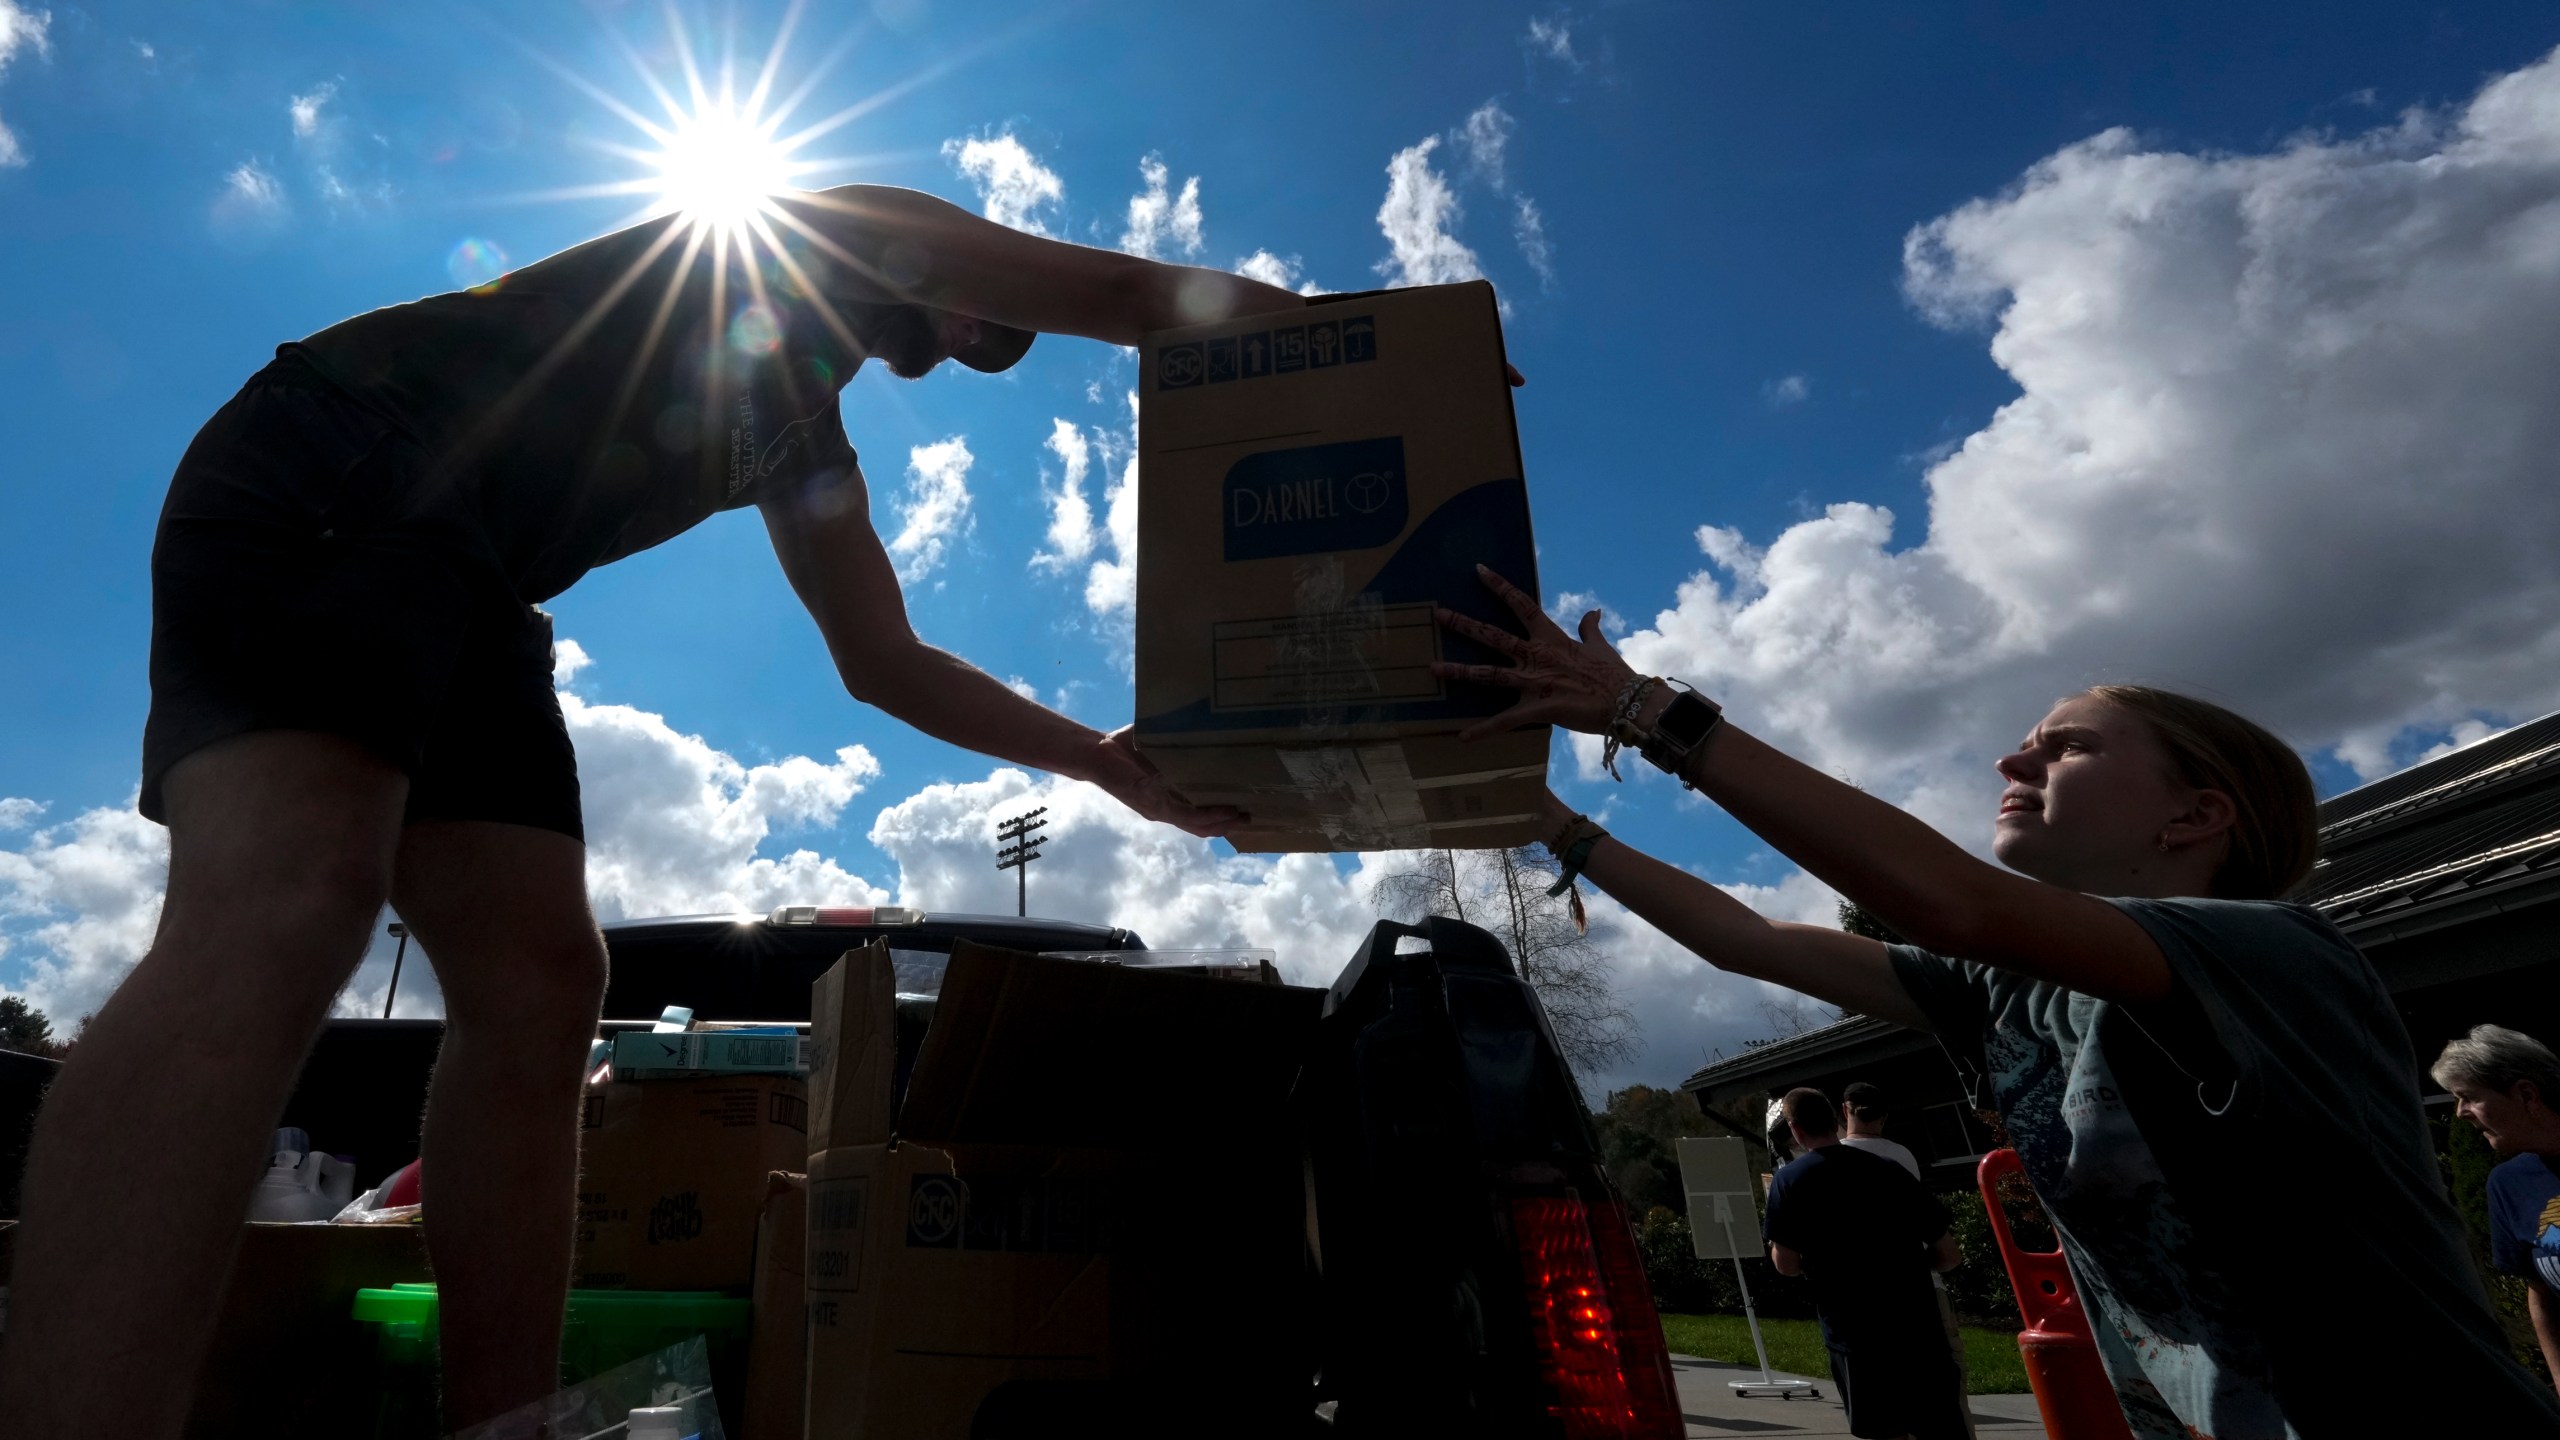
x=1869, y=1238
x=352, y=702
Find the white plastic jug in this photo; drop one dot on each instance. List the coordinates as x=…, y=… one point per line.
x=302, y=1185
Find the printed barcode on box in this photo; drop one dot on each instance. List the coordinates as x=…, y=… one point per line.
x=836, y=1213
x=756, y=1050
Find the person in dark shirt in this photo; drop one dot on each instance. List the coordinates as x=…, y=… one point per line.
x=1868, y=1237
x=352, y=702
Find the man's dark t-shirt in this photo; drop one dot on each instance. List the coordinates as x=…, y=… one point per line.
x=614, y=395
x=1864, y=1228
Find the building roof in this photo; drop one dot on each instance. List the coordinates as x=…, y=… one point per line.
x=2472, y=832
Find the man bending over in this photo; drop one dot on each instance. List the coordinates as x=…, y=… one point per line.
x=351, y=702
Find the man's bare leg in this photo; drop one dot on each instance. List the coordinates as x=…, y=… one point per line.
x=501, y=912
x=280, y=853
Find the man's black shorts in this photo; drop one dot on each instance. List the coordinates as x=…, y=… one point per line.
x=309, y=574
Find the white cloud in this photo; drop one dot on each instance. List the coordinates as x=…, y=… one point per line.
x=1787, y=391
x=1111, y=586
x=1420, y=208
x=305, y=109
x=1071, y=529
x=1160, y=218
x=676, y=826
x=2282, y=437
x=78, y=904
x=250, y=205
x=1283, y=271
x=934, y=510
x=1073, y=538
x=1011, y=181
x=17, y=813
x=21, y=29
x=1552, y=39
x=1485, y=136
x=1529, y=232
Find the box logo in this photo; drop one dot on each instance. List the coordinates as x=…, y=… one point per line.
x=934, y=1203
x=1344, y=496
x=1178, y=367
x=675, y=1219
x=1324, y=344
x=1221, y=355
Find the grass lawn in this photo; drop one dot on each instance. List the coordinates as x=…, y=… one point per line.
x=1992, y=1366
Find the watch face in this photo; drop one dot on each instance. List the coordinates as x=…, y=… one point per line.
x=1686, y=720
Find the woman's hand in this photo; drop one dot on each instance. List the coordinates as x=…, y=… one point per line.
x=1562, y=681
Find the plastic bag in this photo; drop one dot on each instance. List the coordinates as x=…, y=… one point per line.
x=598, y=1409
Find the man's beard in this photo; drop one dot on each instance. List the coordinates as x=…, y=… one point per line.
x=906, y=340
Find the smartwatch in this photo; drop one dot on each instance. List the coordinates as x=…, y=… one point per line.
x=1683, y=726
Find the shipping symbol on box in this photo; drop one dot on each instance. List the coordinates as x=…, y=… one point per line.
x=1254, y=355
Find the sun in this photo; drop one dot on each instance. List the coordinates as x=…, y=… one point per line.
x=719, y=165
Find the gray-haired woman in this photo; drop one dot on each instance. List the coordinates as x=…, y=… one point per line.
x=2508, y=1084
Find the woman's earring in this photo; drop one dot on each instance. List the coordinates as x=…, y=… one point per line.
x=2163, y=842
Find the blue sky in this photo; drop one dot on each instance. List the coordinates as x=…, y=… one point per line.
x=1746, y=323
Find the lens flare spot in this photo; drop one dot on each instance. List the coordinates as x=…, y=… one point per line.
x=756, y=331
x=475, y=262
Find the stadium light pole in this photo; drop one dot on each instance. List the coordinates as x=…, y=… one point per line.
x=1018, y=845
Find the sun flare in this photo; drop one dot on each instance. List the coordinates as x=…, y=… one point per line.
x=719, y=165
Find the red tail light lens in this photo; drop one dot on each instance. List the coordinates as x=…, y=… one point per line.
x=1572, y=1329
x=1644, y=1358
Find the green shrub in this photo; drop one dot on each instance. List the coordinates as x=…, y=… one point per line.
x=1682, y=1282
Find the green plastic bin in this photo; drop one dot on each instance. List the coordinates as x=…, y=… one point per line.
x=604, y=1328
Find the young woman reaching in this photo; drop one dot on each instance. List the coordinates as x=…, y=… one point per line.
x=2211, y=1091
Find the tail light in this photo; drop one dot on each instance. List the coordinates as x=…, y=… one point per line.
x=1592, y=1322
x=1643, y=1356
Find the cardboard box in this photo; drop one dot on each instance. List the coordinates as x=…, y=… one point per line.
x=1088, y=1202
x=662, y=1054
x=778, y=1345
x=1308, y=491
x=288, y=1357
x=671, y=1180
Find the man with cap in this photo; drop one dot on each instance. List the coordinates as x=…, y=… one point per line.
x=352, y=703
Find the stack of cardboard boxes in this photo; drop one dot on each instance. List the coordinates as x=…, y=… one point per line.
x=1084, y=1201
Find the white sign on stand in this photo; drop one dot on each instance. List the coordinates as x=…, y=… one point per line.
x=1724, y=1217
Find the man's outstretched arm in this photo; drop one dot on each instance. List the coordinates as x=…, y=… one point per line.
x=931, y=252
x=840, y=570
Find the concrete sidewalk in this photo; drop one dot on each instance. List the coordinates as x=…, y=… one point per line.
x=1712, y=1409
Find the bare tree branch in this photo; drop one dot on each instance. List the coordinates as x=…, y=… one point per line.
x=1506, y=892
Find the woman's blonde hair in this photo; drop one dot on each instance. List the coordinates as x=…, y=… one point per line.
x=2276, y=834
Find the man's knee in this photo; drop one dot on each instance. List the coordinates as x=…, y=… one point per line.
x=540, y=983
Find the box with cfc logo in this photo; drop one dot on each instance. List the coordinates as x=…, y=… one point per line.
x=671, y=1177
x=1077, y=1195
x=1310, y=486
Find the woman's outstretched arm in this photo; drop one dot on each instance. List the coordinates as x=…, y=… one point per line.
x=1915, y=879
x=1849, y=971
